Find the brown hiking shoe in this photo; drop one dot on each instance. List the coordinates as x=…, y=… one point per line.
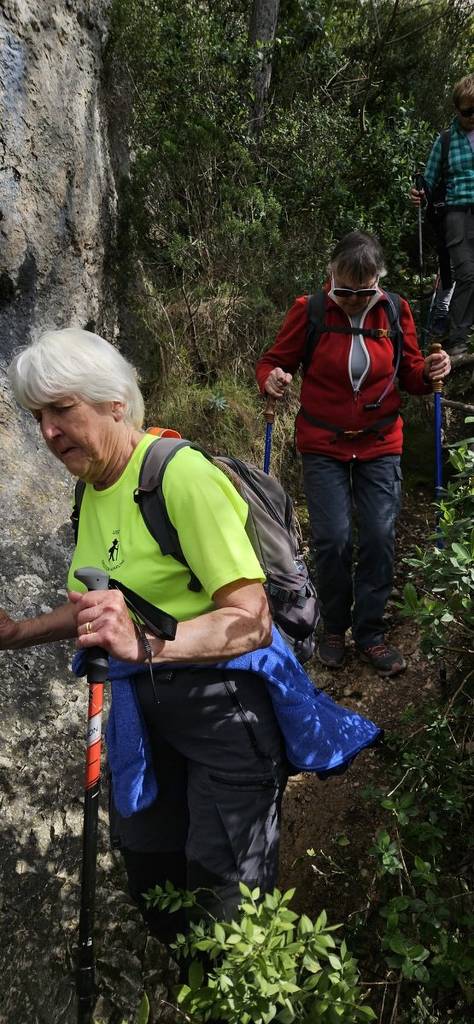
x=386, y=660
x=332, y=650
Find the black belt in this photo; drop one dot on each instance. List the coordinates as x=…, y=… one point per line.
x=463, y=207
x=350, y=435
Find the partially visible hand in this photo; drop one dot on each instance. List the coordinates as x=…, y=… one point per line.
x=437, y=366
x=110, y=626
x=417, y=196
x=277, y=382
x=9, y=631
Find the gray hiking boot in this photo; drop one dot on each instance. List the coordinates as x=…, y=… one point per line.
x=332, y=650
x=387, y=661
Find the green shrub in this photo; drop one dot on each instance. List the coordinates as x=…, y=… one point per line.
x=269, y=964
x=445, y=607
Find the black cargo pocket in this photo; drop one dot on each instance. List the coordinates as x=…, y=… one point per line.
x=249, y=810
x=153, y=830
x=249, y=783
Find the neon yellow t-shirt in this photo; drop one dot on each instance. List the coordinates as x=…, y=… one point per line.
x=205, y=509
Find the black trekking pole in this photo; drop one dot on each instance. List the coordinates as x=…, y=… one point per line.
x=97, y=671
x=424, y=333
x=420, y=187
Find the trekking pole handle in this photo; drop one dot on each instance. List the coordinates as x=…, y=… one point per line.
x=93, y=579
x=270, y=405
x=438, y=385
x=419, y=181
x=96, y=657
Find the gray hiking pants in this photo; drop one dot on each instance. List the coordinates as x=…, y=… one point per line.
x=459, y=228
x=221, y=771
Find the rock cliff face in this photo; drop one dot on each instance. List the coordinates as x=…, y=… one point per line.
x=57, y=195
x=57, y=218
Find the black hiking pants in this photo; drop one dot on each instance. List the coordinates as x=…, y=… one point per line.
x=221, y=771
x=337, y=491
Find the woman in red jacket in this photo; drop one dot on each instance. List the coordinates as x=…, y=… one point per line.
x=349, y=432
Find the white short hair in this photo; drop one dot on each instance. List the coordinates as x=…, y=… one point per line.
x=75, y=362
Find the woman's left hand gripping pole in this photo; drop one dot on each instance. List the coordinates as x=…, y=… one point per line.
x=97, y=671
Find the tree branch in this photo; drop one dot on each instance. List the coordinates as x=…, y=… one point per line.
x=467, y=360
x=377, y=26
x=457, y=405
x=417, y=30
x=336, y=73
x=377, y=51
x=200, y=364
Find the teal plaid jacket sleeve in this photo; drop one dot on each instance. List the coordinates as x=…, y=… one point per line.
x=460, y=184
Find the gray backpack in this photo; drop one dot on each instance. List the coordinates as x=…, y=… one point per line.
x=271, y=525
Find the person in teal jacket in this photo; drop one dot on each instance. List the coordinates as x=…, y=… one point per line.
x=459, y=216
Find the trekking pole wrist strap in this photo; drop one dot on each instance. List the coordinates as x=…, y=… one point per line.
x=145, y=642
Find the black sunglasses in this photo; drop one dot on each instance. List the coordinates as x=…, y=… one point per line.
x=363, y=293
x=466, y=111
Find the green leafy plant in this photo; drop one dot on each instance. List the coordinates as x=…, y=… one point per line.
x=267, y=964
x=423, y=858
x=445, y=607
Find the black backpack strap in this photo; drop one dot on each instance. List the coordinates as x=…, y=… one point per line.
x=392, y=303
x=445, y=137
x=159, y=622
x=377, y=427
x=316, y=326
x=149, y=496
x=393, y=307
x=316, y=311
x=436, y=194
x=78, y=496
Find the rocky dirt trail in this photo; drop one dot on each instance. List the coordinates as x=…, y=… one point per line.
x=320, y=815
x=41, y=770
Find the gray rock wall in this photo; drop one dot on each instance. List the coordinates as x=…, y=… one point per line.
x=57, y=220
x=57, y=195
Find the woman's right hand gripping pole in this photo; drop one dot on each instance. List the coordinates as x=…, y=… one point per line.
x=277, y=382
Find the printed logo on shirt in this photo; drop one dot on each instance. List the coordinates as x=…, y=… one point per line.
x=114, y=561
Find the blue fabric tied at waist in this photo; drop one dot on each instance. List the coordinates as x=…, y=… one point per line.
x=320, y=735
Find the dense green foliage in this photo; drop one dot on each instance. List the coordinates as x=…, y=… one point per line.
x=221, y=229
x=445, y=607
x=424, y=854
x=420, y=907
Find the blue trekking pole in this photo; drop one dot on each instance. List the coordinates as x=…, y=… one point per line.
x=438, y=427
x=269, y=418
